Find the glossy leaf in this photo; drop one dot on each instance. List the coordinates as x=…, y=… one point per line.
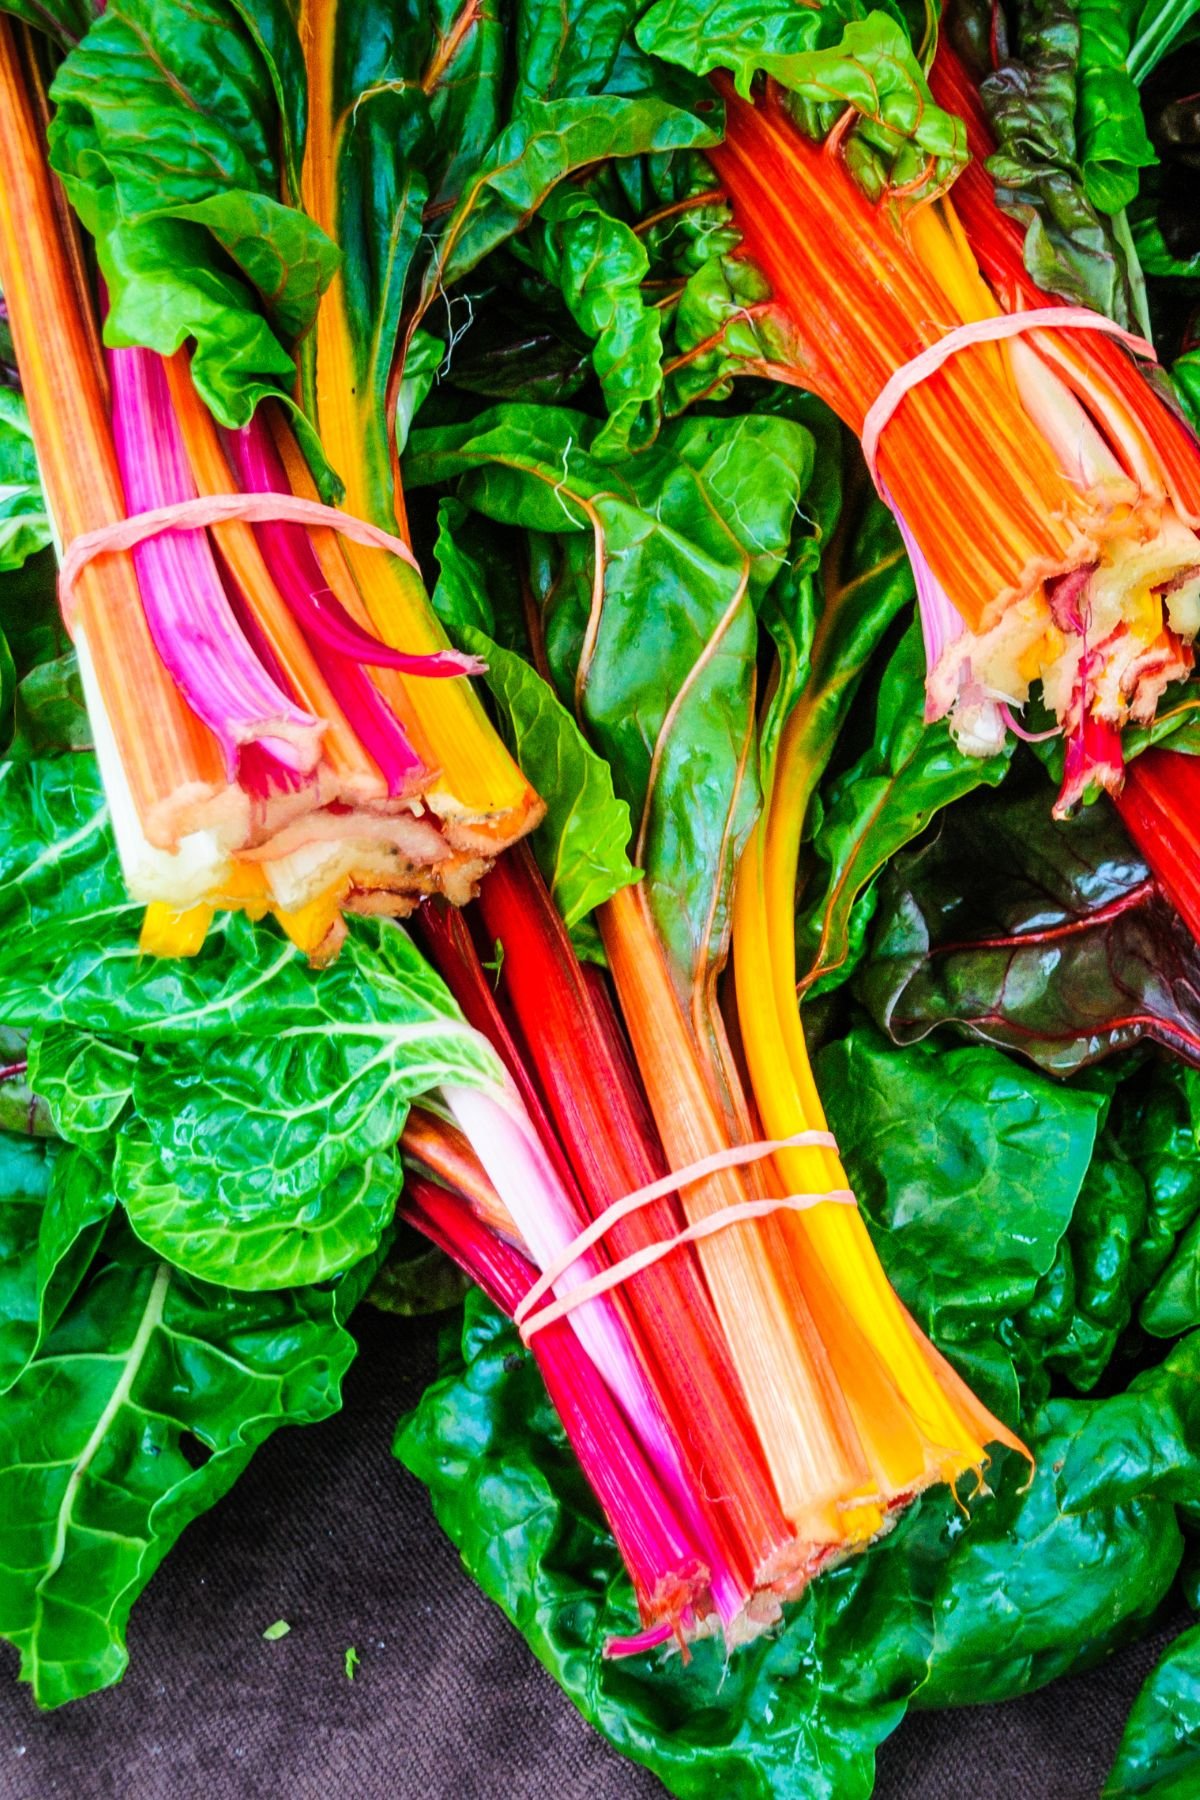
x=799, y=1712
x=1047, y=938
x=1113, y=145
x=140, y=1410
x=1032, y=99
x=968, y=1168
x=168, y=136
x=878, y=805
x=1158, y=1757
x=24, y=523
x=265, y=1100
x=656, y=645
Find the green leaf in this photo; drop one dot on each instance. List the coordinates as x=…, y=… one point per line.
x=1113, y=145
x=265, y=1100
x=1036, y=1586
x=798, y=1712
x=883, y=801
x=900, y=139
x=1158, y=1757
x=86, y=1081
x=968, y=1168
x=581, y=843
x=1071, y=247
x=170, y=140
x=600, y=263
x=50, y=712
x=26, y=1169
x=655, y=644
x=139, y=1411
x=24, y=522
x=546, y=142
x=1159, y=24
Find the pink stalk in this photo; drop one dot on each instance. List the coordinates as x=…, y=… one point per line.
x=941, y=622
x=654, y=1545
x=316, y=607
x=297, y=574
x=504, y=1140
x=188, y=610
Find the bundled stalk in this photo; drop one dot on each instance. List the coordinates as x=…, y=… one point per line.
x=804, y=1415
x=1049, y=498
x=280, y=723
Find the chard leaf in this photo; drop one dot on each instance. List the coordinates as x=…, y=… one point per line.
x=879, y=804
x=798, y=1712
x=171, y=142
x=26, y=1170
x=1035, y=1585
x=24, y=523
x=1158, y=25
x=1113, y=145
x=1158, y=1757
x=950, y=1607
x=1145, y=1441
x=50, y=713
x=256, y=1104
x=1032, y=100
x=581, y=843
x=901, y=138
x=542, y=145
x=63, y=21
x=86, y=1082
x=1047, y=938
x=599, y=263
x=139, y=1411
x=968, y=1168
x=648, y=605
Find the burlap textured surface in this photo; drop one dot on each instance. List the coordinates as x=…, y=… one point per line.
x=326, y=1531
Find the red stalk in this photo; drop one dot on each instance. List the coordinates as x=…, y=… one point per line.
x=1160, y=809
x=574, y=1043
x=653, y=1545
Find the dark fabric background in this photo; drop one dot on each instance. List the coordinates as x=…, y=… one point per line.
x=327, y=1531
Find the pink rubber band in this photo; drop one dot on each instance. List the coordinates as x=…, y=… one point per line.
x=214, y=509
x=982, y=331
x=733, y=1158
x=740, y=1214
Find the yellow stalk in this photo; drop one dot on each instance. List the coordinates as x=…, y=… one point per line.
x=166, y=932
x=792, y=1393
x=479, y=784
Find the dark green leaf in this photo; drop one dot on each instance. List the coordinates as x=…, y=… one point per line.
x=1159, y=1754
x=1047, y=937
x=968, y=1168
x=878, y=805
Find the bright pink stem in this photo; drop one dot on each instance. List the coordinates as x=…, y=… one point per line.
x=188, y=610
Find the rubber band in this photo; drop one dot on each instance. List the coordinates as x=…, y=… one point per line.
x=742, y=1213
x=734, y=1157
x=981, y=331
x=213, y=509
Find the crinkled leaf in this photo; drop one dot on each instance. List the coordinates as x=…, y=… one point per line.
x=599, y=264
x=50, y=713
x=656, y=648
x=1158, y=1757
x=544, y=143
x=878, y=805
x=1035, y=1587
x=86, y=1081
x=1070, y=247
x=26, y=1169
x=1046, y=937
x=900, y=138
x=1144, y=1442
x=266, y=1098
x=139, y=1411
x=173, y=147
x=968, y=1167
